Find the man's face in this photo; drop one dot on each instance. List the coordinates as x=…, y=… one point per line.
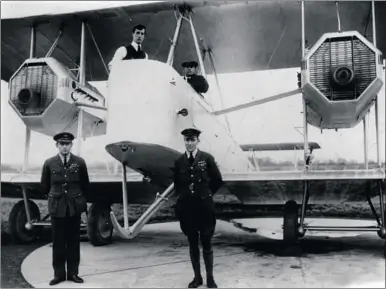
x=190, y=71
x=139, y=36
x=64, y=147
x=191, y=143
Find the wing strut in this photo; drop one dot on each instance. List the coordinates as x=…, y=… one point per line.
x=258, y=102
x=186, y=14
x=128, y=232
x=27, y=144
x=175, y=40
x=199, y=56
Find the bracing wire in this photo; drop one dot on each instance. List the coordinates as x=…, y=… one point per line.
x=99, y=52
x=218, y=85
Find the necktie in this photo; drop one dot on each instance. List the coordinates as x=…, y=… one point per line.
x=65, y=161
x=191, y=158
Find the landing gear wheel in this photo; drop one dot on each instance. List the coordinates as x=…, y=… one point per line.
x=99, y=226
x=383, y=235
x=290, y=228
x=290, y=231
x=18, y=220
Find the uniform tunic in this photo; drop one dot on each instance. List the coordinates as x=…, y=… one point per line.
x=66, y=187
x=195, y=185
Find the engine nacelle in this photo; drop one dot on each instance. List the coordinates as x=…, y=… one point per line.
x=341, y=77
x=45, y=94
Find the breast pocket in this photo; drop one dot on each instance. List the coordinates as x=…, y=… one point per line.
x=74, y=173
x=57, y=175
x=202, y=172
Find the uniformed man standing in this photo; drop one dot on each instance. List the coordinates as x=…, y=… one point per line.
x=196, y=179
x=134, y=50
x=198, y=82
x=65, y=180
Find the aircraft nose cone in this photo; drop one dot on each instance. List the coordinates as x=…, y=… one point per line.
x=24, y=96
x=343, y=76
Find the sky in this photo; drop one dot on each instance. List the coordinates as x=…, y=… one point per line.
x=271, y=122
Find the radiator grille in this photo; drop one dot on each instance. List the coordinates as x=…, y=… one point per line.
x=41, y=79
x=347, y=51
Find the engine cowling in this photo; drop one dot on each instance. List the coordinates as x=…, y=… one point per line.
x=44, y=93
x=341, y=77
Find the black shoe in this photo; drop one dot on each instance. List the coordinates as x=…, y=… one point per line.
x=195, y=282
x=57, y=280
x=75, y=278
x=210, y=283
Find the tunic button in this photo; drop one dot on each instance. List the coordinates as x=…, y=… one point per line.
x=192, y=176
x=65, y=176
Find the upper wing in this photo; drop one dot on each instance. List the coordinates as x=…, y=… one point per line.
x=243, y=36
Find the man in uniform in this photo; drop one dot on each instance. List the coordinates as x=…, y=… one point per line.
x=65, y=180
x=134, y=50
x=198, y=82
x=196, y=179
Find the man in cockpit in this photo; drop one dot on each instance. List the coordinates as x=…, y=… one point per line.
x=134, y=50
x=198, y=82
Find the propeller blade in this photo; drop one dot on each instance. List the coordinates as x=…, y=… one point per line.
x=258, y=102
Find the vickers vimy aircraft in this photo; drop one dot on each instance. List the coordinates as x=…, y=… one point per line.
x=341, y=77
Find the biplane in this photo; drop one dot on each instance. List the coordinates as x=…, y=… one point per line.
x=341, y=77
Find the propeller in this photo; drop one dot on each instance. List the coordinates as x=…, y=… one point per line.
x=258, y=102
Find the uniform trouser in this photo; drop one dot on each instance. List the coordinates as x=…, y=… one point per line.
x=207, y=252
x=198, y=222
x=66, y=245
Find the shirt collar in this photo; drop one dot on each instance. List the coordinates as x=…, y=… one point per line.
x=135, y=45
x=194, y=153
x=62, y=157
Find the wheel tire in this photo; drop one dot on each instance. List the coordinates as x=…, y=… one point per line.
x=384, y=243
x=99, y=226
x=384, y=249
x=18, y=220
x=290, y=230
